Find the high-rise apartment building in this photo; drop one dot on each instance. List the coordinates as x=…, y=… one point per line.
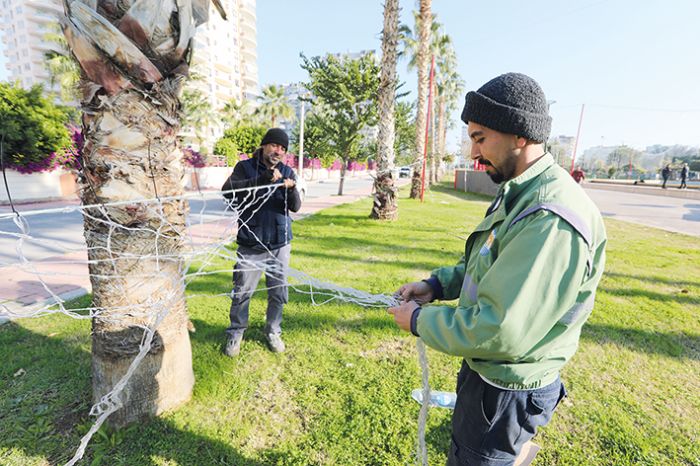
x=224, y=56
x=24, y=27
x=225, y=53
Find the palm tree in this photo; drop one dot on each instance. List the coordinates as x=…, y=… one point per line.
x=422, y=45
x=445, y=63
x=448, y=85
x=235, y=111
x=198, y=115
x=134, y=59
x=274, y=105
x=384, y=206
x=62, y=69
x=450, y=95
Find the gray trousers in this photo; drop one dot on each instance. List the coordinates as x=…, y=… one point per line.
x=246, y=275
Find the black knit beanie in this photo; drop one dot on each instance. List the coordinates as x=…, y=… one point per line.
x=276, y=136
x=511, y=103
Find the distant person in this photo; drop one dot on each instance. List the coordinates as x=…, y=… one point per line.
x=525, y=285
x=684, y=177
x=264, y=236
x=579, y=175
x=665, y=174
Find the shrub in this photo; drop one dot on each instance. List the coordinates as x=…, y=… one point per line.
x=32, y=128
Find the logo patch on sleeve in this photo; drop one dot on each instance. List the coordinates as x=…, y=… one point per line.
x=486, y=248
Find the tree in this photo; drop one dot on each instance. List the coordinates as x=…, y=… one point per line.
x=423, y=24
x=62, y=69
x=274, y=105
x=384, y=206
x=198, y=115
x=405, y=131
x=316, y=142
x=31, y=127
x=134, y=59
x=346, y=89
x=622, y=155
x=449, y=88
x=236, y=111
x=241, y=138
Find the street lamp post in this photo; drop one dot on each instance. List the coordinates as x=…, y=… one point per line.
x=301, y=141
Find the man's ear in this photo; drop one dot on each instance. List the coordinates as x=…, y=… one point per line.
x=520, y=142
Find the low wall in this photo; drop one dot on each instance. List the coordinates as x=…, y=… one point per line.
x=206, y=177
x=214, y=177
x=474, y=182
x=57, y=184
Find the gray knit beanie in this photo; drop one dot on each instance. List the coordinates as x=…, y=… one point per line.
x=511, y=103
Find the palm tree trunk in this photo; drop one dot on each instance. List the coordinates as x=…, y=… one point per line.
x=422, y=65
x=385, y=206
x=136, y=269
x=133, y=61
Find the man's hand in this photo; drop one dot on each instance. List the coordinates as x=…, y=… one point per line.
x=420, y=292
x=289, y=183
x=276, y=175
x=402, y=314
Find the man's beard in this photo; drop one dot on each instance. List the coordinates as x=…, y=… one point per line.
x=496, y=177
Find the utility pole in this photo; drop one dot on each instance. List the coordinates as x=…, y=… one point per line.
x=578, y=134
x=301, y=141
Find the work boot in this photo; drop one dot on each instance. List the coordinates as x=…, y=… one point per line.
x=233, y=346
x=274, y=341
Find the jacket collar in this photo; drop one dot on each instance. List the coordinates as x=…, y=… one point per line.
x=512, y=188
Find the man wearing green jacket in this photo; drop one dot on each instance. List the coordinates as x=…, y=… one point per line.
x=525, y=285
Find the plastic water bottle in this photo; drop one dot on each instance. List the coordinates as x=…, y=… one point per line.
x=437, y=399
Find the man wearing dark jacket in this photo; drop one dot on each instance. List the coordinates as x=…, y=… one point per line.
x=267, y=195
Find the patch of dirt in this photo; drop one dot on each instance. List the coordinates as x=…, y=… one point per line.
x=397, y=348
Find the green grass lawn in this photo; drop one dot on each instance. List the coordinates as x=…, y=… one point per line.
x=340, y=395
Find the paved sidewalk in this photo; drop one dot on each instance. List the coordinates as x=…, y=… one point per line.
x=67, y=277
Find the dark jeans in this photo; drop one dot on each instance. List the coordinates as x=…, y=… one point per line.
x=246, y=275
x=490, y=425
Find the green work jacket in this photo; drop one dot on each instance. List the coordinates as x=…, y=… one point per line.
x=526, y=283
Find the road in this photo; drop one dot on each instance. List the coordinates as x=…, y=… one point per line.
x=58, y=233
x=668, y=213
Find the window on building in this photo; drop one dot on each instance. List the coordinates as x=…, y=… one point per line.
x=26, y=66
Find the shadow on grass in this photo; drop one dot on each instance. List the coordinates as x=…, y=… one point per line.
x=679, y=345
x=447, y=188
x=319, y=318
x=653, y=279
x=679, y=298
x=44, y=411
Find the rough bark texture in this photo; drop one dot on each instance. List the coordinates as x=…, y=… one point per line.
x=384, y=206
x=422, y=65
x=134, y=57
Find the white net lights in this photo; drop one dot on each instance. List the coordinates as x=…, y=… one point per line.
x=146, y=267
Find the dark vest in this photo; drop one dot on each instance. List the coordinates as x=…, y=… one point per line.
x=270, y=223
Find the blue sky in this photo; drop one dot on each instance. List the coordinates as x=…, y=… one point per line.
x=636, y=65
